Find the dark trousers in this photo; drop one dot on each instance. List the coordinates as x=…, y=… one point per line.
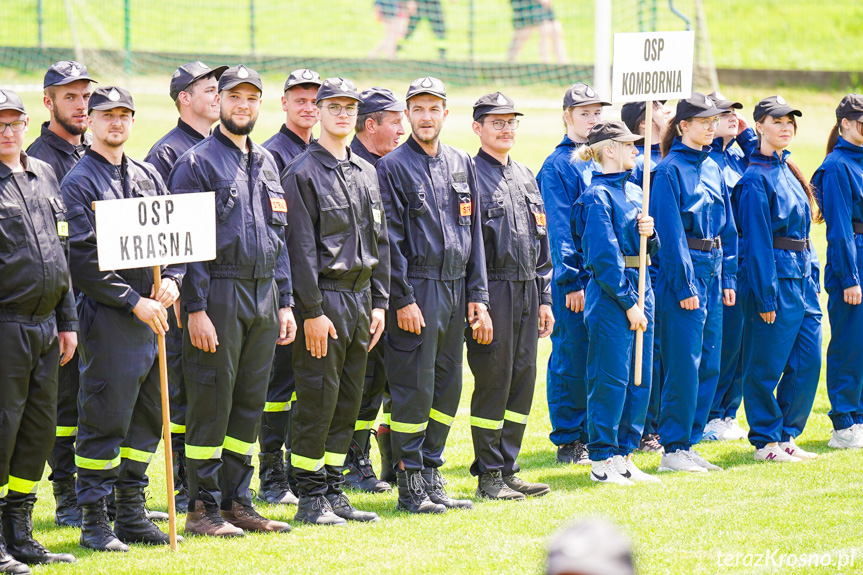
x=281, y=394
x=62, y=458
x=226, y=390
x=176, y=383
x=28, y=404
x=425, y=373
x=119, y=406
x=329, y=391
x=374, y=386
x=432, y=11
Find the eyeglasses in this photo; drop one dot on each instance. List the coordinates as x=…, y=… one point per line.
x=499, y=124
x=707, y=123
x=17, y=126
x=336, y=109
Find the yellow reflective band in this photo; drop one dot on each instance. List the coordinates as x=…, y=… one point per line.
x=22, y=485
x=63, y=229
x=387, y=419
x=96, y=464
x=334, y=459
x=198, y=452
x=237, y=446
x=515, y=417
x=4, y=489
x=66, y=431
x=486, y=423
x=277, y=406
x=363, y=425
x=408, y=427
x=177, y=428
x=306, y=463
x=135, y=455
x=293, y=397
x=441, y=417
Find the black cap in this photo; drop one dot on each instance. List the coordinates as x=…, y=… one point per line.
x=724, y=103
x=65, y=72
x=696, y=106
x=594, y=547
x=188, y=73
x=774, y=106
x=110, y=97
x=302, y=76
x=378, y=100
x=337, y=88
x=9, y=100
x=850, y=107
x=496, y=103
x=632, y=114
x=240, y=75
x=612, y=130
x=426, y=85
x=581, y=94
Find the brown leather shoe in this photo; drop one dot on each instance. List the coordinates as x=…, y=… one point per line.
x=245, y=517
x=207, y=521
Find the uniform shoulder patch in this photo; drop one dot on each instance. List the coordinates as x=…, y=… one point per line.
x=278, y=205
x=459, y=177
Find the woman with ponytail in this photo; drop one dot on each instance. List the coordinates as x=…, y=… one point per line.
x=838, y=185
x=782, y=317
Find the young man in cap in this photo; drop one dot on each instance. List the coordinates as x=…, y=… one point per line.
x=195, y=92
x=119, y=407
x=438, y=278
x=340, y=266
x=37, y=332
x=518, y=265
x=62, y=142
x=378, y=132
x=298, y=102
x=235, y=309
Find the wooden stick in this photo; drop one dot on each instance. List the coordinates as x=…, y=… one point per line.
x=642, y=248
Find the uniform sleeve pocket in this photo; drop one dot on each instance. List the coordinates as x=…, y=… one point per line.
x=465, y=203
x=278, y=208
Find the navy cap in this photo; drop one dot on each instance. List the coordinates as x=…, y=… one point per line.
x=9, y=100
x=191, y=72
x=611, y=130
x=110, y=97
x=724, y=103
x=774, y=106
x=380, y=100
x=240, y=75
x=632, y=114
x=337, y=88
x=594, y=547
x=581, y=94
x=426, y=85
x=850, y=107
x=302, y=76
x=65, y=72
x=496, y=103
x=697, y=105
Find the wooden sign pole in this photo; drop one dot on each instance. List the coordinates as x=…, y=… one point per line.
x=642, y=248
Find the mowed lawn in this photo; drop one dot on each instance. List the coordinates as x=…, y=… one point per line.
x=683, y=526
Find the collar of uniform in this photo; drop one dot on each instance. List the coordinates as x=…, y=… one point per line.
x=6, y=171
x=59, y=143
x=415, y=146
x=617, y=179
x=691, y=155
x=225, y=140
x=567, y=142
x=758, y=158
x=328, y=160
x=296, y=139
x=849, y=148
x=357, y=143
x=718, y=144
x=189, y=129
x=491, y=159
x=97, y=156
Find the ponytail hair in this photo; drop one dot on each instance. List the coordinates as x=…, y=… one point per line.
x=817, y=216
x=672, y=130
x=587, y=152
x=833, y=137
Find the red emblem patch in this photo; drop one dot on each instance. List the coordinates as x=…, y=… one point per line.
x=465, y=209
x=540, y=218
x=278, y=205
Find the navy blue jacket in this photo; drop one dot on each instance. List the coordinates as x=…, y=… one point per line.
x=57, y=152
x=285, y=145
x=360, y=150
x=165, y=153
x=733, y=160
x=638, y=170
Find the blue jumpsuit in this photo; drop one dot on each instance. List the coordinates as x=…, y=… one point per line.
x=691, y=182
x=561, y=181
x=839, y=184
x=772, y=205
x=604, y=223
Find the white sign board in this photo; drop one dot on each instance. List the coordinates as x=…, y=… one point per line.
x=156, y=231
x=652, y=66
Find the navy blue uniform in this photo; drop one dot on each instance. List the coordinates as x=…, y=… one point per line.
x=638, y=171
x=285, y=145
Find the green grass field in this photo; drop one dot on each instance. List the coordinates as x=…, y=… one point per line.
x=680, y=527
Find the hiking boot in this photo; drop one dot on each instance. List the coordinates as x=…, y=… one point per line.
x=360, y=473
x=529, y=489
x=9, y=564
x=67, y=512
x=316, y=509
x=246, y=518
x=96, y=532
x=575, y=452
x=181, y=485
x=491, y=486
x=274, y=483
x=650, y=444
x=412, y=493
x=132, y=525
x=205, y=519
x=436, y=492
x=385, y=447
x=18, y=532
x=342, y=507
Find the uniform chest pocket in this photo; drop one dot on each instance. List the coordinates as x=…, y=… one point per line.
x=59, y=210
x=226, y=201
x=278, y=207
x=12, y=233
x=465, y=204
x=144, y=188
x=334, y=214
x=417, y=205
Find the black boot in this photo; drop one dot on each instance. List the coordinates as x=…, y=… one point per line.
x=181, y=486
x=96, y=530
x=132, y=525
x=436, y=492
x=491, y=486
x=9, y=564
x=274, y=486
x=67, y=514
x=316, y=509
x=342, y=507
x=412, y=494
x=385, y=447
x=18, y=532
x=361, y=474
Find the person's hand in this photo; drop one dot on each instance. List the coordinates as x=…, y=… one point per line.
x=168, y=292
x=68, y=343
x=287, y=326
x=645, y=225
x=477, y=314
x=575, y=301
x=853, y=295
x=690, y=303
x=546, y=320
x=410, y=319
x=484, y=333
x=729, y=297
x=153, y=314
x=768, y=317
x=317, y=329
x=376, y=327
x=741, y=123
x=202, y=332
x=636, y=317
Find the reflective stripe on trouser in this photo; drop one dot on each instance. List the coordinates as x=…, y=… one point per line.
x=329, y=391
x=374, y=385
x=176, y=384
x=504, y=376
x=565, y=381
x=119, y=404
x=729, y=390
x=276, y=420
x=62, y=458
x=425, y=373
x=783, y=363
x=616, y=407
x=690, y=344
x=844, y=358
x=226, y=390
x=28, y=403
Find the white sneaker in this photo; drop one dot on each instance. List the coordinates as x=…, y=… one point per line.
x=775, y=453
x=680, y=460
x=734, y=431
x=696, y=457
x=605, y=472
x=626, y=467
x=858, y=430
x=792, y=449
x=846, y=439
x=715, y=430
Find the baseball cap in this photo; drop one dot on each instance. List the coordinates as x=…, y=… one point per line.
x=593, y=547
x=581, y=94
x=496, y=103
x=378, y=100
x=632, y=114
x=302, y=76
x=850, y=107
x=337, y=88
x=65, y=72
x=774, y=106
x=110, y=97
x=697, y=105
x=724, y=103
x=240, y=75
x=611, y=130
x=9, y=100
x=186, y=74
x=426, y=85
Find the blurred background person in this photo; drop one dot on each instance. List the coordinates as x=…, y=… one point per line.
x=530, y=15
x=393, y=14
